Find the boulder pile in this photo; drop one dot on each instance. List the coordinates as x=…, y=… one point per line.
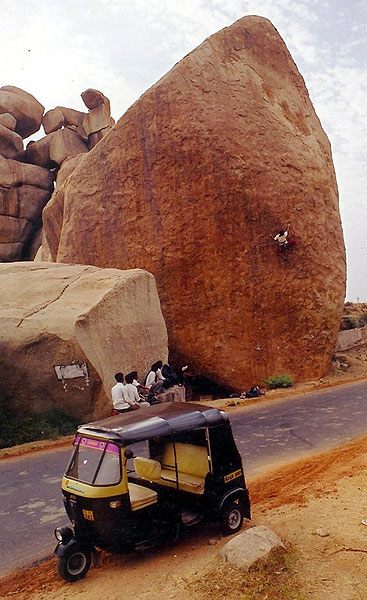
x=193, y=183
x=27, y=175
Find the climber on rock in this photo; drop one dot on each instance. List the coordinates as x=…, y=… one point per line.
x=283, y=241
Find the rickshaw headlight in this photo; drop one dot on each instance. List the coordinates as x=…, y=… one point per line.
x=63, y=534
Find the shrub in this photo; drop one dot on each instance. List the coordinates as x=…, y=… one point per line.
x=279, y=381
x=18, y=429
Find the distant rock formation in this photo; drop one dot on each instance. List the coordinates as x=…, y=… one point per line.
x=192, y=184
x=70, y=133
x=66, y=329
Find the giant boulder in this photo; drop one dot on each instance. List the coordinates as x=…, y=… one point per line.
x=193, y=182
x=82, y=320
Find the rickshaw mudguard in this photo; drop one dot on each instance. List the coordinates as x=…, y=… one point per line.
x=238, y=494
x=61, y=548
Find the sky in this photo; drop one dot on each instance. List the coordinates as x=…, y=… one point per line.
x=55, y=49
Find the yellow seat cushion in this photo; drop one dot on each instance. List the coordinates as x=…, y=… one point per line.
x=186, y=482
x=192, y=467
x=140, y=496
x=191, y=459
x=147, y=468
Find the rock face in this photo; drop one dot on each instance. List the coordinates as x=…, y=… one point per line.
x=94, y=321
x=192, y=184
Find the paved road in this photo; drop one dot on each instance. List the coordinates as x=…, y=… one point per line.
x=30, y=498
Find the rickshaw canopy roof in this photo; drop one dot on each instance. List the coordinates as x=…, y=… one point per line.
x=155, y=421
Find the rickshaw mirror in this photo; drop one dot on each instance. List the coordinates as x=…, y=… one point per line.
x=129, y=453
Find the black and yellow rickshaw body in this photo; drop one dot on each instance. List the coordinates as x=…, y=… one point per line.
x=193, y=471
x=104, y=515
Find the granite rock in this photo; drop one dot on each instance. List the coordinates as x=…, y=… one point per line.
x=99, y=320
x=24, y=107
x=192, y=184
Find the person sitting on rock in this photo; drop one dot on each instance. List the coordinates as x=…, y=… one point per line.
x=160, y=376
x=119, y=401
x=154, y=379
x=170, y=377
x=139, y=386
x=131, y=392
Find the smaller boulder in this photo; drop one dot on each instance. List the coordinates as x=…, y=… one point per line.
x=11, y=144
x=14, y=173
x=53, y=120
x=24, y=107
x=93, y=98
x=38, y=153
x=61, y=116
x=51, y=150
x=97, y=119
x=23, y=202
x=7, y=120
x=250, y=546
x=64, y=143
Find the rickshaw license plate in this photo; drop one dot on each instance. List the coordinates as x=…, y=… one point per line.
x=232, y=475
x=88, y=515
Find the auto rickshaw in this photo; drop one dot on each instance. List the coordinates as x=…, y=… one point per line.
x=135, y=479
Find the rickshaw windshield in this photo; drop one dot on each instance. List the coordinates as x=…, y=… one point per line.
x=95, y=462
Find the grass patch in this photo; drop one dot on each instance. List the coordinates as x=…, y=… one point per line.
x=19, y=429
x=279, y=381
x=272, y=580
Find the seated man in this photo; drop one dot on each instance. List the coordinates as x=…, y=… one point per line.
x=119, y=401
x=131, y=392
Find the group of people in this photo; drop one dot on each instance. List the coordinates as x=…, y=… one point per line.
x=128, y=394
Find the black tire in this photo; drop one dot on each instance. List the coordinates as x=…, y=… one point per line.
x=232, y=518
x=74, y=564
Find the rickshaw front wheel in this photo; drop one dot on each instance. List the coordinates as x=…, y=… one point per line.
x=74, y=564
x=232, y=518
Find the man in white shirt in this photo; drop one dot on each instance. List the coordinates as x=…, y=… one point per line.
x=131, y=392
x=119, y=400
x=154, y=380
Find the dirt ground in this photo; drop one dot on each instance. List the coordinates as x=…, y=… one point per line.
x=316, y=506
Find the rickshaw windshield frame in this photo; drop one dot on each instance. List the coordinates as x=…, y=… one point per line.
x=95, y=462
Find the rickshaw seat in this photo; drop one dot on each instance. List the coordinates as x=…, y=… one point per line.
x=140, y=496
x=147, y=468
x=192, y=467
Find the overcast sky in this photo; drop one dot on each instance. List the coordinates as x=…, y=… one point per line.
x=55, y=49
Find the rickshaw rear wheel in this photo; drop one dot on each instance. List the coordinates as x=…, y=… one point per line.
x=232, y=518
x=74, y=564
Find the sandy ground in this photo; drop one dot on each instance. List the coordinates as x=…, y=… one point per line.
x=316, y=505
